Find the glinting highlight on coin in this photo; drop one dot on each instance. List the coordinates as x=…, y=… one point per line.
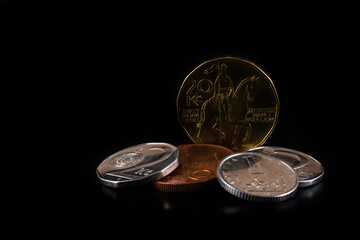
x=309, y=170
x=138, y=165
x=228, y=107
x=197, y=169
x=230, y=102
x=257, y=177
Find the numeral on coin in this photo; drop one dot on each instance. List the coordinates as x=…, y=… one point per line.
x=143, y=172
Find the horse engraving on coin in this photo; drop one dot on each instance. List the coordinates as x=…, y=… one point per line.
x=230, y=102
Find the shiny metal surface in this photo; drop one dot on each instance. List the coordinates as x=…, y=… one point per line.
x=309, y=170
x=138, y=164
x=197, y=169
x=257, y=177
x=230, y=102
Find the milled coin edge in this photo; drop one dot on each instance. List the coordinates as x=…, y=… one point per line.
x=249, y=197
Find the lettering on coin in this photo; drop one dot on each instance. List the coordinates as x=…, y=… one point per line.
x=190, y=115
x=139, y=164
x=229, y=102
x=260, y=115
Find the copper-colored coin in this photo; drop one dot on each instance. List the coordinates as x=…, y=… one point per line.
x=197, y=169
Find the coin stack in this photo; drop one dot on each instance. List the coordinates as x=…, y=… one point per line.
x=268, y=174
x=228, y=107
x=184, y=168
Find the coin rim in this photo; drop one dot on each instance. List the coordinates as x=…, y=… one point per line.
x=192, y=186
x=248, y=196
x=145, y=179
x=302, y=183
x=246, y=61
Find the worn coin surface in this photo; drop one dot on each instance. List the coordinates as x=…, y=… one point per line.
x=138, y=164
x=257, y=177
x=197, y=169
x=309, y=170
x=228, y=101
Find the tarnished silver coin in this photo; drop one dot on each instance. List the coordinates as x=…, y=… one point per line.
x=309, y=170
x=138, y=164
x=257, y=177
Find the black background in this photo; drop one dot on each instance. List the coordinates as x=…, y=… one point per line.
x=82, y=81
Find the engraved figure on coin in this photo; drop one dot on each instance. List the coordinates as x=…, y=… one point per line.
x=255, y=168
x=229, y=107
x=218, y=104
x=244, y=94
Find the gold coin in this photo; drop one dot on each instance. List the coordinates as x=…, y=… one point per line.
x=230, y=102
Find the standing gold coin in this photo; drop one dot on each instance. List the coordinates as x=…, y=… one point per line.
x=230, y=102
x=197, y=169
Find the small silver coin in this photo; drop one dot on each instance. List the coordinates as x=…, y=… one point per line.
x=309, y=170
x=257, y=177
x=140, y=164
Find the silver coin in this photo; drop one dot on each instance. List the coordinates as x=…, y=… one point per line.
x=138, y=165
x=257, y=177
x=309, y=170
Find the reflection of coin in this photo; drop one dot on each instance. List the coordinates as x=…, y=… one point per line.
x=257, y=177
x=309, y=170
x=198, y=163
x=138, y=164
x=230, y=102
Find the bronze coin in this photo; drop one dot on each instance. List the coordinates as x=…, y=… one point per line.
x=197, y=169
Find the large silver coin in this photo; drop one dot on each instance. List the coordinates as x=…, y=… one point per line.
x=257, y=177
x=309, y=170
x=138, y=164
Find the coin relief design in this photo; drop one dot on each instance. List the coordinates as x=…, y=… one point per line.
x=126, y=160
x=257, y=177
x=138, y=164
x=230, y=102
x=309, y=170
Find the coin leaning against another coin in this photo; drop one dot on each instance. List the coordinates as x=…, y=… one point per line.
x=138, y=165
x=309, y=170
x=257, y=177
x=197, y=169
x=230, y=102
